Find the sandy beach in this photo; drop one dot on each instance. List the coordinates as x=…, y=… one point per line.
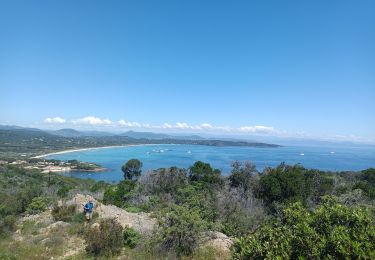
x=87, y=149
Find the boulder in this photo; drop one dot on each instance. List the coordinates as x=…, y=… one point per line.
x=217, y=240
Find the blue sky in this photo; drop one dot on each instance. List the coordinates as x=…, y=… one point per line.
x=286, y=68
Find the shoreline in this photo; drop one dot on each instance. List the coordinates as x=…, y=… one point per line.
x=89, y=149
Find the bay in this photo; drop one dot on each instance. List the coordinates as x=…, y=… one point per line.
x=330, y=158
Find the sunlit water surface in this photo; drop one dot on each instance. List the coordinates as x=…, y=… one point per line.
x=333, y=158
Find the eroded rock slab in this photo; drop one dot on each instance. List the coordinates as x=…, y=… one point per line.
x=141, y=222
x=217, y=240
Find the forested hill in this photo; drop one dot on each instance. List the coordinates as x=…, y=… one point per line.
x=16, y=141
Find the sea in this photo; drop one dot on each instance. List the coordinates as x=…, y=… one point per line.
x=330, y=158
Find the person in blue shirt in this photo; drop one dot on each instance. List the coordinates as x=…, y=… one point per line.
x=88, y=209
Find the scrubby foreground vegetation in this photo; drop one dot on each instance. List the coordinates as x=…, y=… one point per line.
x=286, y=212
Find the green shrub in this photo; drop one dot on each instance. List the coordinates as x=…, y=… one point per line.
x=165, y=180
x=179, y=230
x=131, y=237
x=95, y=215
x=63, y=191
x=7, y=256
x=107, y=239
x=242, y=175
x=199, y=197
x=332, y=231
x=78, y=217
x=133, y=209
x=238, y=223
x=286, y=183
x=7, y=224
x=64, y=212
x=119, y=194
x=367, y=183
x=30, y=227
x=151, y=204
x=204, y=173
x=98, y=186
x=37, y=205
x=369, y=175
x=25, y=196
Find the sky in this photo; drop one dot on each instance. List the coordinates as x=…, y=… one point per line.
x=278, y=68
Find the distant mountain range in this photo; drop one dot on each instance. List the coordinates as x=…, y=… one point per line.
x=69, y=132
x=73, y=133
x=15, y=140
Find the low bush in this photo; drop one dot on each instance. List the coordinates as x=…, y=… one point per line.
x=120, y=194
x=367, y=183
x=63, y=191
x=98, y=186
x=367, y=188
x=179, y=231
x=105, y=240
x=37, y=205
x=7, y=224
x=30, y=227
x=243, y=175
x=332, y=231
x=288, y=184
x=152, y=203
x=131, y=237
x=133, y=209
x=78, y=217
x=164, y=180
x=238, y=223
x=63, y=212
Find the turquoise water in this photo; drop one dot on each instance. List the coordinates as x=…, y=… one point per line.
x=334, y=158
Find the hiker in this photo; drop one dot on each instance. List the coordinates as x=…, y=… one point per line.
x=88, y=209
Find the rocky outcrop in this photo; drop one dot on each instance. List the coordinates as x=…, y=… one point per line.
x=54, y=226
x=141, y=222
x=44, y=230
x=44, y=218
x=217, y=240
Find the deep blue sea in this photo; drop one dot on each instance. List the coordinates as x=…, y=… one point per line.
x=333, y=158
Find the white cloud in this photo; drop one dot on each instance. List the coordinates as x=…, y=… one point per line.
x=179, y=126
x=206, y=126
x=91, y=120
x=167, y=126
x=258, y=129
x=124, y=123
x=182, y=126
x=54, y=120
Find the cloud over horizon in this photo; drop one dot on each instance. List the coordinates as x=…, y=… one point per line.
x=93, y=121
x=54, y=120
x=100, y=124
x=97, y=123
